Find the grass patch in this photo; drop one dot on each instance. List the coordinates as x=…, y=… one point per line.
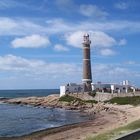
x=67, y=98
x=134, y=100
x=71, y=99
x=116, y=132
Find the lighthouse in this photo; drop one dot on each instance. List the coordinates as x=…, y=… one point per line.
x=85, y=86
x=87, y=75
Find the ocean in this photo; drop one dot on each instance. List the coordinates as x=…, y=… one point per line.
x=27, y=93
x=18, y=120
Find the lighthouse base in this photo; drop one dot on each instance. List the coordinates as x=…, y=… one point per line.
x=87, y=85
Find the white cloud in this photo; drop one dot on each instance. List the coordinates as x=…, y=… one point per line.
x=34, y=73
x=113, y=73
x=107, y=52
x=130, y=62
x=121, y=5
x=17, y=63
x=20, y=26
x=60, y=48
x=33, y=41
x=110, y=26
x=101, y=39
x=84, y=9
x=65, y=4
x=7, y=24
x=98, y=39
x=59, y=26
x=19, y=72
x=4, y=4
x=34, y=67
x=92, y=10
x=10, y=4
x=122, y=42
x=75, y=39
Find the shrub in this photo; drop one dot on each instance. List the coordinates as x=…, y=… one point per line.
x=135, y=100
x=67, y=98
x=92, y=93
x=92, y=101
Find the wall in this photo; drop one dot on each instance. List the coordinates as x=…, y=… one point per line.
x=71, y=89
x=108, y=96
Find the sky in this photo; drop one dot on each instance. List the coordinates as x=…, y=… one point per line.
x=41, y=42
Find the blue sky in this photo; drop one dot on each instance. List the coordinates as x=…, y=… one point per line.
x=41, y=41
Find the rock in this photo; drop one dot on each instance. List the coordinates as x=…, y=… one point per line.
x=53, y=101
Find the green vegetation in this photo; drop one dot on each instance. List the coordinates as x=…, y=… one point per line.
x=71, y=99
x=134, y=100
x=116, y=132
x=68, y=98
x=92, y=93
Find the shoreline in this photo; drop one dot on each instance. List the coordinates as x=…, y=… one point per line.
x=48, y=131
x=106, y=117
x=104, y=121
x=49, y=101
x=39, y=135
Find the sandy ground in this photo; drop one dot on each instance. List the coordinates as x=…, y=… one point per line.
x=114, y=117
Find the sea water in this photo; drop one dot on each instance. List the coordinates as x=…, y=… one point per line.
x=18, y=120
x=27, y=93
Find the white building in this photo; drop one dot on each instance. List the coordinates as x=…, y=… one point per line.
x=71, y=88
x=125, y=87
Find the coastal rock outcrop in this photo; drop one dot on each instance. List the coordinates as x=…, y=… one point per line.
x=54, y=101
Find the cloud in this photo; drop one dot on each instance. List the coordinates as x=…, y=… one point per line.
x=130, y=62
x=75, y=39
x=17, y=63
x=11, y=4
x=65, y=5
x=4, y=4
x=56, y=26
x=21, y=26
x=101, y=39
x=92, y=10
x=122, y=42
x=121, y=5
x=34, y=67
x=20, y=72
x=122, y=26
x=33, y=41
x=98, y=38
x=60, y=48
x=113, y=73
x=9, y=24
x=107, y=52
x=87, y=10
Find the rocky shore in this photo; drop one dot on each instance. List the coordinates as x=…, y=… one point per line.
x=106, y=116
x=115, y=116
x=48, y=101
x=83, y=103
